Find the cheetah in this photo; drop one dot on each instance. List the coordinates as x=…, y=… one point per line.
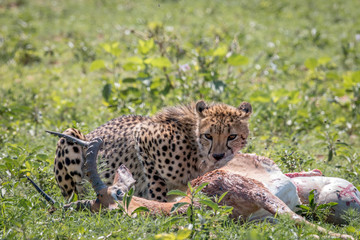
x=163, y=152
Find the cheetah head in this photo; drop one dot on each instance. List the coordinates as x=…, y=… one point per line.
x=222, y=130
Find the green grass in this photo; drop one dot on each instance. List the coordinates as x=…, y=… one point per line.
x=81, y=63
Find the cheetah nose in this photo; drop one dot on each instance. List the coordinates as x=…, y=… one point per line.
x=218, y=156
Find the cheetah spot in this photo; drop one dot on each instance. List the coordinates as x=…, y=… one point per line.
x=76, y=149
x=60, y=166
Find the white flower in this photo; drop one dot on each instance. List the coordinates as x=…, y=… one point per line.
x=184, y=67
x=357, y=37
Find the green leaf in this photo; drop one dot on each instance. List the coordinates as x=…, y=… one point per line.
x=28, y=165
x=342, y=143
x=351, y=229
x=131, y=92
x=332, y=204
x=311, y=197
x=172, y=220
x=190, y=187
x=238, y=60
x=106, y=92
x=327, y=205
x=133, y=64
x=144, y=47
x=222, y=196
x=116, y=52
x=159, y=62
x=135, y=60
x=112, y=48
x=165, y=236
x=140, y=209
x=356, y=77
x=221, y=51
x=106, y=47
x=330, y=155
x=303, y=207
x=321, y=206
x=210, y=204
x=73, y=197
x=157, y=83
x=260, y=97
x=311, y=63
x=324, y=60
x=199, y=188
x=320, y=137
x=183, y=234
x=177, y=193
x=97, y=64
x=333, y=76
x=154, y=25
x=42, y=157
x=227, y=209
x=177, y=206
x=131, y=67
x=128, y=197
x=129, y=80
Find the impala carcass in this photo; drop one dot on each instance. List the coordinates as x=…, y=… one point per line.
x=257, y=189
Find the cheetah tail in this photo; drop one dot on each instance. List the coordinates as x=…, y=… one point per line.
x=70, y=138
x=47, y=197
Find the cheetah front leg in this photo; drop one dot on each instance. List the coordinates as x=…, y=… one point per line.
x=156, y=185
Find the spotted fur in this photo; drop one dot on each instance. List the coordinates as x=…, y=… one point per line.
x=163, y=152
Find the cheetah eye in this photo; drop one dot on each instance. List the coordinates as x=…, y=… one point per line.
x=118, y=192
x=232, y=137
x=208, y=136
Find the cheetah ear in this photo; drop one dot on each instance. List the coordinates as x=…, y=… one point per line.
x=123, y=177
x=246, y=109
x=200, y=107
